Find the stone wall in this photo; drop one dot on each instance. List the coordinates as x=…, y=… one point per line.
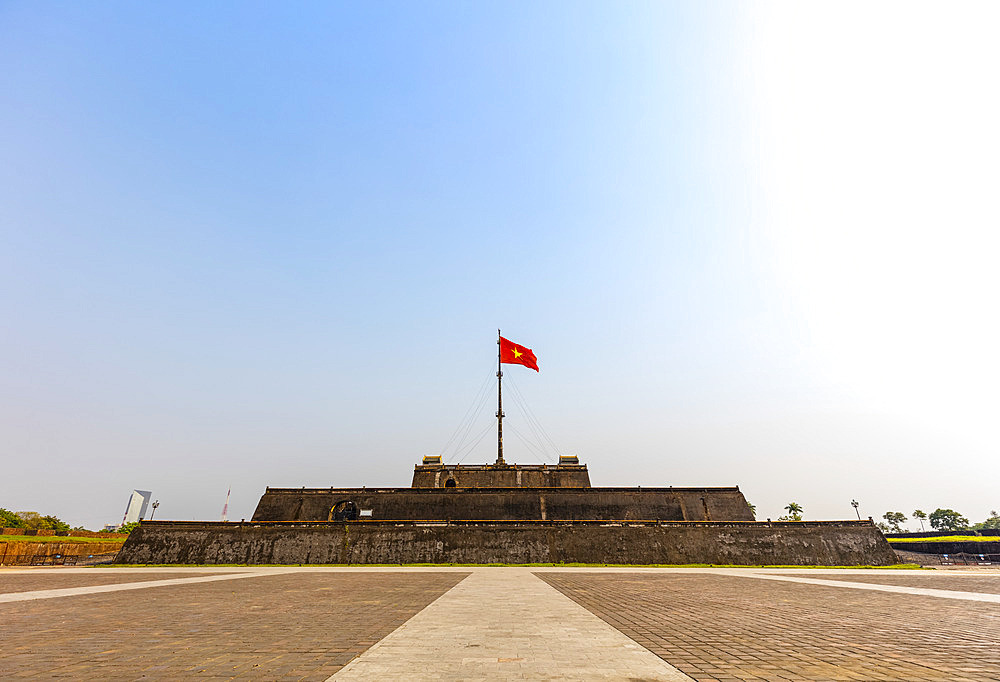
x=508, y=504
x=372, y=542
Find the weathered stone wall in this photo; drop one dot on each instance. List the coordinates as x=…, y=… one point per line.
x=509, y=504
x=372, y=542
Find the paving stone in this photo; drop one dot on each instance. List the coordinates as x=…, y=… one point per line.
x=211, y=629
x=802, y=631
x=23, y=581
x=306, y=623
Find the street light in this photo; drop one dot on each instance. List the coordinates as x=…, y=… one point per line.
x=155, y=505
x=854, y=503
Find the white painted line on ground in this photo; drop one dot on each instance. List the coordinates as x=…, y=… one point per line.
x=119, y=587
x=898, y=589
x=506, y=623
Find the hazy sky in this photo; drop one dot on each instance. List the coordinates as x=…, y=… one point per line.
x=249, y=244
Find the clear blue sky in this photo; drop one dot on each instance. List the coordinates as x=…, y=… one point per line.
x=256, y=244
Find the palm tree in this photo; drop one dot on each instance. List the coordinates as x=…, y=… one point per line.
x=794, y=510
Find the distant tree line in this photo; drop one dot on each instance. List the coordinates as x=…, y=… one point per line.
x=940, y=519
x=30, y=520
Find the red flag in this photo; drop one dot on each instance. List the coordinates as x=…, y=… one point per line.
x=513, y=354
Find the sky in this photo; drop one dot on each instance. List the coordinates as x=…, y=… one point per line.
x=251, y=244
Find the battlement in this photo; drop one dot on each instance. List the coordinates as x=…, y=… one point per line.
x=569, y=473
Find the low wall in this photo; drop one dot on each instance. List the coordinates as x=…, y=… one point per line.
x=26, y=531
x=508, y=504
x=62, y=533
x=985, y=547
x=840, y=543
x=939, y=533
x=22, y=553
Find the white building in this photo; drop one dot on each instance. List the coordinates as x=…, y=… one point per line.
x=136, y=509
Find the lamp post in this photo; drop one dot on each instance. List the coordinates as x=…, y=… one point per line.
x=854, y=503
x=154, y=505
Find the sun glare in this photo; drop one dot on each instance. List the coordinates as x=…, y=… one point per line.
x=880, y=147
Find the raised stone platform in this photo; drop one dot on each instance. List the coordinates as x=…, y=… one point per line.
x=512, y=542
x=504, y=504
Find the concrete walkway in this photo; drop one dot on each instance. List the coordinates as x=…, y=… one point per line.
x=503, y=623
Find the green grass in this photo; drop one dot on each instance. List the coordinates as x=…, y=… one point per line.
x=950, y=538
x=566, y=565
x=56, y=538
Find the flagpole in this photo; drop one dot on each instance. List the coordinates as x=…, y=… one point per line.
x=499, y=404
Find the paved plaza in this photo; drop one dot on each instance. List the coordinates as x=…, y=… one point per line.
x=470, y=623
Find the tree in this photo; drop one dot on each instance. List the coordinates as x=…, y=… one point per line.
x=30, y=520
x=55, y=523
x=794, y=512
x=35, y=521
x=991, y=523
x=894, y=519
x=948, y=519
x=920, y=516
x=128, y=527
x=9, y=519
x=753, y=509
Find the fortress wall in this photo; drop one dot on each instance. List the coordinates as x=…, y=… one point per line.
x=843, y=543
x=503, y=504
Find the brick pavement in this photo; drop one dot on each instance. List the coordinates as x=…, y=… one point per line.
x=726, y=627
x=304, y=625
x=308, y=622
x=49, y=579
